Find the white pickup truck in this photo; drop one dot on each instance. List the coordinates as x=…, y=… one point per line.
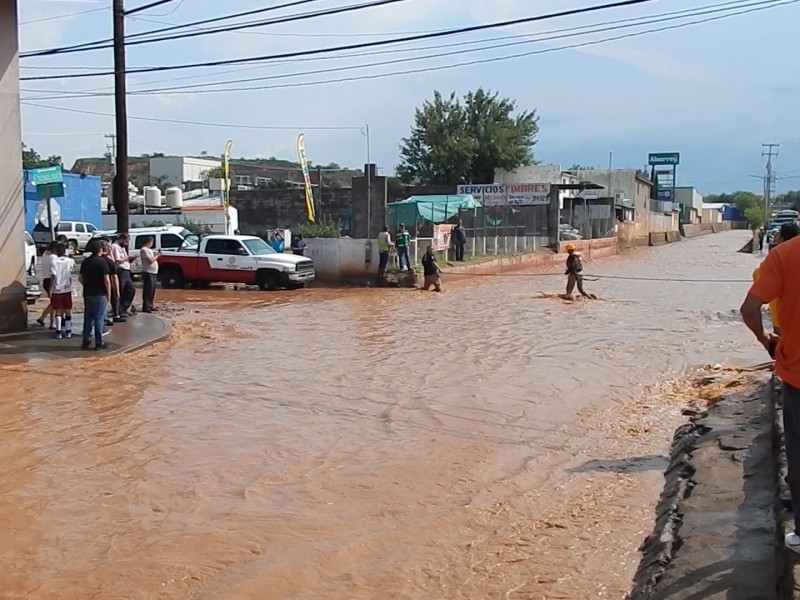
x=240, y=259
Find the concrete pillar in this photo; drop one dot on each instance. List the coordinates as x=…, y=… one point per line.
x=554, y=217
x=362, y=200
x=13, y=311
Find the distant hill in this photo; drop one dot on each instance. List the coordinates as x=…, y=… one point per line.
x=277, y=169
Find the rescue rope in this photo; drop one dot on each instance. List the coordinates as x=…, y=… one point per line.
x=594, y=277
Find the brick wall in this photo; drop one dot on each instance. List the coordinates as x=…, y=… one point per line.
x=262, y=210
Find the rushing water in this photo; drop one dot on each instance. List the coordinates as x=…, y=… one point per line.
x=359, y=443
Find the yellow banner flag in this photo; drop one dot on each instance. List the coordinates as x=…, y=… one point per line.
x=301, y=150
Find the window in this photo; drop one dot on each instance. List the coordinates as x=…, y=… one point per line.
x=228, y=247
x=65, y=227
x=90, y=228
x=139, y=241
x=258, y=247
x=80, y=228
x=170, y=240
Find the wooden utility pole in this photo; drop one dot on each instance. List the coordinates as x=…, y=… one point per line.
x=120, y=183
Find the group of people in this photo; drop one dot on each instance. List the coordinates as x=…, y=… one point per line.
x=777, y=283
x=105, y=275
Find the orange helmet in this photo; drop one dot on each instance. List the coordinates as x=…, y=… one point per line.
x=570, y=247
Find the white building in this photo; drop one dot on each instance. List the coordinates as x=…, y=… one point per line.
x=692, y=201
x=177, y=170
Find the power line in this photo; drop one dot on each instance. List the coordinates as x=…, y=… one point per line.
x=169, y=91
x=133, y=11
x=317, y=51
x=185, y=122
x=89, y=46
x=67, y=16
x=634, y=20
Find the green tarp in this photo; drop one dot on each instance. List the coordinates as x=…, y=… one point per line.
x=437, y=209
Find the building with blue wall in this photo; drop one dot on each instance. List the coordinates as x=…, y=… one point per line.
x=81, y=201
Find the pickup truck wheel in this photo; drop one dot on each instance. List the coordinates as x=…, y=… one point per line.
x=172, y=278
x=268, y=280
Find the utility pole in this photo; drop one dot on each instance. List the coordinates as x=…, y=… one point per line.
x=769, y=151
x=120, y=184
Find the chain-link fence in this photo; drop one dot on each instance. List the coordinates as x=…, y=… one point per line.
x=490, y=230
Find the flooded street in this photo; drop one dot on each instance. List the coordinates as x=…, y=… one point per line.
x=367, y=443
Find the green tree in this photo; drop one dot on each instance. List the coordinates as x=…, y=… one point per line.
x=32, y=160
x=754, y=216
x=464, y=141
x=791, y=198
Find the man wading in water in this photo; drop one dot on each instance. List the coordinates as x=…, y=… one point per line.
x=574, y=272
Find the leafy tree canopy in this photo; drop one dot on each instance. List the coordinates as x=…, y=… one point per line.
x=32, y=160
x=463, y=141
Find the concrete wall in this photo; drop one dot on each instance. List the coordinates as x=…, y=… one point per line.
x=81, y=201
x=13, y=310
x=343, y=259
x=711, y=215
x=592, y=249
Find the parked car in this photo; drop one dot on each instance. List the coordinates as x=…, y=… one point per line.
x=168, y=237
x=30, y=254
x=244, y=259
x=34, y=290
x=78, y=234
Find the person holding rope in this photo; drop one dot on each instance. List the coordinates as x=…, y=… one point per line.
x=574, y=272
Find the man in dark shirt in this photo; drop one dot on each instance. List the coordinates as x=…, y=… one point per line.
x=299, y=245
x=431, y=271
x=574, y=271
x=96, y=281
x=459, y=240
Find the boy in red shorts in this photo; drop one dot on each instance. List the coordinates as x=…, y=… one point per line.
x=61, y=291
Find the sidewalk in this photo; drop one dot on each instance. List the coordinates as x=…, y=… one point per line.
x=39, y=344
x=718, y=534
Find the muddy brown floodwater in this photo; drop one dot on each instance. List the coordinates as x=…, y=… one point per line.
x=366, y=444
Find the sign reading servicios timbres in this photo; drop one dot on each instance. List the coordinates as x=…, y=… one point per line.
x=664, y=158
x=515, y=194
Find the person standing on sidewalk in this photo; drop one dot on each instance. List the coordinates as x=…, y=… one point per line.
x=47, y=261
x=384, y=248
x=779, y=278
x=115, y=316
x=96, y=281
x=403, y=243
x=60, y=273
x=459, y=240
x=149, y=274
x=122, y=258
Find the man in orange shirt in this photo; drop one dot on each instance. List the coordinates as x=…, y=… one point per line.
x=779, y=277
x=786, y=233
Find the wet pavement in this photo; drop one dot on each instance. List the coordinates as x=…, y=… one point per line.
x=39, y=343
x=492, y=441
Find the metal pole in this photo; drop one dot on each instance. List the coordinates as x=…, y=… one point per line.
x=319, y=195
x=50, y=217
x=369, y=187
x=120, y=183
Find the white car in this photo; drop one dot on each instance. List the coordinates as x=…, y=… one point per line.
x=166, y=237
x=30, y=254
x=78, y=234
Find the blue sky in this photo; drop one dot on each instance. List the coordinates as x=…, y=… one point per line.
x=714, y=91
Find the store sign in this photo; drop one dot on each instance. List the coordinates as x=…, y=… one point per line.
x=514, y=194
x=664, y=158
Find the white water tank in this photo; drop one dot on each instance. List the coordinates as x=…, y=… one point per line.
x=152, y=196
x=174, y=197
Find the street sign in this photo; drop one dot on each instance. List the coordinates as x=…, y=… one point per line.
x=47, y=175
x=50, y=190
x=664, y=158
x=42, y=213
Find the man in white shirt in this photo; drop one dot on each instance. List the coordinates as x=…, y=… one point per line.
x=149, y=274
x=61, y=291
x=122, y=258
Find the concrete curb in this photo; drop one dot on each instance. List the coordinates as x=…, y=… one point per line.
x=717, y=524
x=158, y=332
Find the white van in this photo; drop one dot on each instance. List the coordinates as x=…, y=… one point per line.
x=168, y=237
